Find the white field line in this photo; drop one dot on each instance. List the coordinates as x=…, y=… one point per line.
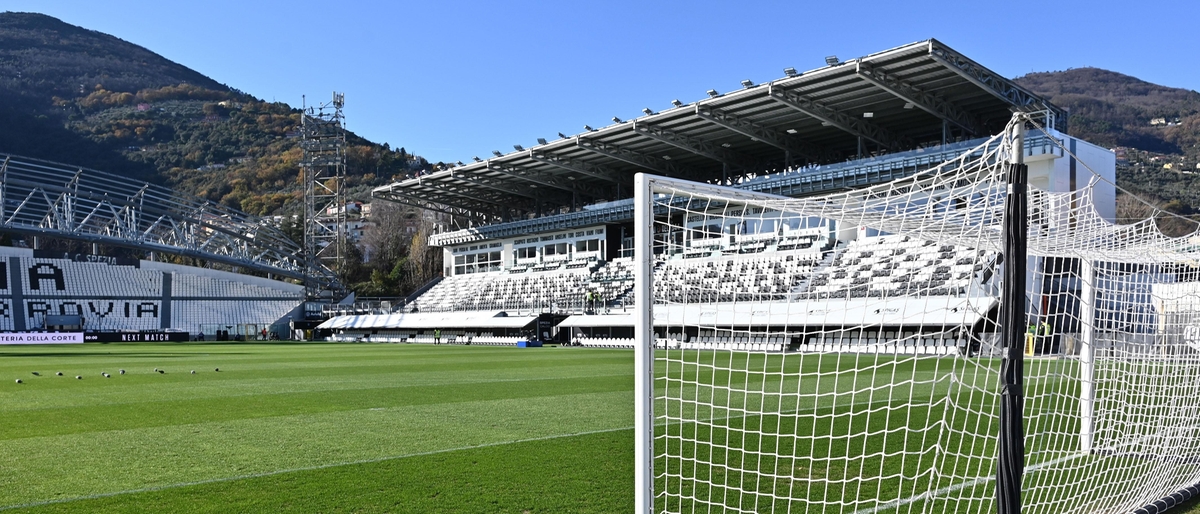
x=306, y=468
x=962, y=485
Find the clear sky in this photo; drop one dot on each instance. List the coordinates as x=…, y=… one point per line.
x=451, y=79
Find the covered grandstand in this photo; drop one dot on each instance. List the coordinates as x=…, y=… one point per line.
x=107, y=296
x=553, y=223
x=918, y=96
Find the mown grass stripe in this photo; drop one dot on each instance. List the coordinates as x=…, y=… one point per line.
x=307, y=468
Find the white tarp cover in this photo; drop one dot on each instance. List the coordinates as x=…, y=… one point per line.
x=857, y=311
x=598, y=320
x=841, y=312
x=422, y=320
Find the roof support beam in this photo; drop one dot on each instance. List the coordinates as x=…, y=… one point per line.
x=495, y=185
x=928, y=102
x=855, y=126
x=545, y=179
x=453, y=193
x=474, y=212
x=756, y=131
x=697, y=146
x=438, y=192
x=652, y=163
x=582, y=167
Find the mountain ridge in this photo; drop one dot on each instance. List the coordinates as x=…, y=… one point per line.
x=80, y=96
x=88, y=98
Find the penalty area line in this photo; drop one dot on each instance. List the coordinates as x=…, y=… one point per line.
x=305, y=468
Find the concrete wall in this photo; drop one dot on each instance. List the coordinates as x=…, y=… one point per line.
x=1068, y=173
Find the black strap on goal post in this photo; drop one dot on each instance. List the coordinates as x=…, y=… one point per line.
x=1011, y=466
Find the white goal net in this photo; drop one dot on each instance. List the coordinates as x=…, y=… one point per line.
x=842, y=353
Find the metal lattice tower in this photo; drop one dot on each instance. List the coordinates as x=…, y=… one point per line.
x=323, y=139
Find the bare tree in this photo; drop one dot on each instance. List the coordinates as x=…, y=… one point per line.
x=386, y=240
x=423, y=262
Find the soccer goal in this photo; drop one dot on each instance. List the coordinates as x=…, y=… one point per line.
x=846, y=353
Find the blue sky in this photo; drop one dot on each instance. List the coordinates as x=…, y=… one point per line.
x=449, y=79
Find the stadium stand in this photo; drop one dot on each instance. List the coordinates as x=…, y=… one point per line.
x=891, y=266
x=111, y=295
x=710, y=259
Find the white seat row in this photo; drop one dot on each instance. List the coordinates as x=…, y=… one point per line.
x=879, y=348
x=604, y=342
x=745, y=347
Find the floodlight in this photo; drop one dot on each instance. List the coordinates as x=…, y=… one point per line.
x=791, y=72
x=518, y=148
x=541, y=140
x=713, y=93
x=588, y=128
x=460, y=163
x=477, y=159
x=667, y=157
x=616, y=119
x=826, y=124
x=868, y=115
x=747, y=84
x=560, y=134
x=647, y=111
x=676, y=103
x=497, y=153
x=791, y=131
x=909, y=105
x=725, y=145
x=831, y=60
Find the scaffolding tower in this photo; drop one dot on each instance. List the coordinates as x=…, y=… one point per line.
x=323, y=139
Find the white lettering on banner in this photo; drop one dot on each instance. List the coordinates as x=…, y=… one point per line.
x=41, y=337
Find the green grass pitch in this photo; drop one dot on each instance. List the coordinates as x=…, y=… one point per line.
x=315, y=428
x=307, y=427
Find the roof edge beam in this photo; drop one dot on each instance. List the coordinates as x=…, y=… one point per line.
x=991, y=82
x=928, y=102
x=854, y=126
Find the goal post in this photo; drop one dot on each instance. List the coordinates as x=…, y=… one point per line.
x=643, y=380
x=844, y=353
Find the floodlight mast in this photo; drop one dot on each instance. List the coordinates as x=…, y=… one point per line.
x=323, y=140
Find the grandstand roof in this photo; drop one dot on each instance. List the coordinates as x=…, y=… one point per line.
x=895, y=100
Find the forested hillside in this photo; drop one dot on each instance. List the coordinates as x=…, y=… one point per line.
x=1155, y=129
x=81, y=97
x=78, y=96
